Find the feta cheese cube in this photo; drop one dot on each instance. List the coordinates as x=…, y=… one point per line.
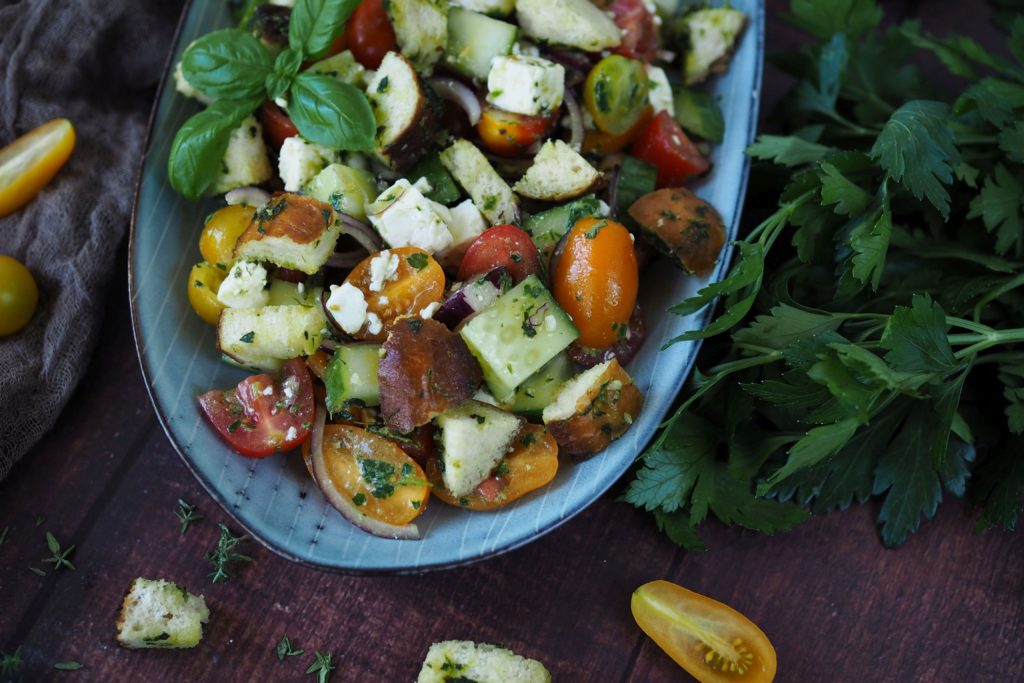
x=525, y=85
x=659, y=92
x=428, y=311
x=300, y=160
x=404, y=217
x=347, y=306
x=467, y=222
x=245, y=286
x=383, y=268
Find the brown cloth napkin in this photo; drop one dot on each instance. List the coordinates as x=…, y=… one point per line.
x=97, y=63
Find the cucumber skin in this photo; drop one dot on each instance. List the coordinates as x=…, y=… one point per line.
x=507, y=352
x=474, y=40
x=549, y=226
x=352, y=359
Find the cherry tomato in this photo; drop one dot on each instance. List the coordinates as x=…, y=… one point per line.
x=599, y=142
x=615, y=93
x=639, y=32
x=203, y=283
x=502, y=245
x=630, y=339
x=221, y=232
x=712, y=641
x=532, y=463
x=369, y=33
x=596, y=280
x=511, y=134
x=18, y=295
x=664, y=144
x=418, y=282
x=29, y=163
x=277, y=126
x=264, y=415
x=375, y=474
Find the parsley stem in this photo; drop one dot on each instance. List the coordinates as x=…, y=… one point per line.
x=986, y=341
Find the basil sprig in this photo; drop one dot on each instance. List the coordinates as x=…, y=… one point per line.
x=237, y=70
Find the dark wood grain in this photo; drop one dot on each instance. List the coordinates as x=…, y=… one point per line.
x=947, y=606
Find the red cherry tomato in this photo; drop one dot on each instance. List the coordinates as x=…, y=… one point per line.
x=639, y=32
x=664, y=144
x=369, y=33
x=277, y=127
x=502, y=245
x=510, y=134
x=264, y=415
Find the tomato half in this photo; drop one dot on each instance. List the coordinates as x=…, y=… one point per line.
x=375, y=474
x=510, y=134
x=608, y=143
x=502, y=245
x=221, y=233
x=29, y=163
x=203, y=282
x=664, y=144
x=596, y=280
x=532, y=463
x=263, y=414
x=417, y=282
x=615, y=93
x=18, y=295
x=639, y=32
x=277, y=126
x=369, y=33
x=709, y=639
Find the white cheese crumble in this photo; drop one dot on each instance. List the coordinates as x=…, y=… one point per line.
x=466, y=222
x=428, y=311
x=373, y=323
x=423, y=185
x=659, y=93
x=347, y=306
x=525, y=85
x=244, y=287
x=383, y=268
x=290, y=387
x=300, y=161
x=404, y=217
x=291, y=434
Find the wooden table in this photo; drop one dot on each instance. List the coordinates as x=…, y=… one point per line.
x=947, y=606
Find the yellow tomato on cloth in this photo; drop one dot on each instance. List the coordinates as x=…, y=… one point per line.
x=31, y=161
x=18, y=295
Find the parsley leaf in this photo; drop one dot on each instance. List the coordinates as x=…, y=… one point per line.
x=999, y=207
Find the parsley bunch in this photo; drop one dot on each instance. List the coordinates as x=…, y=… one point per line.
x=875, y=318
x=233, y=67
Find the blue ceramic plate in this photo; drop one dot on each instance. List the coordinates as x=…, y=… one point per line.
x=274, y=499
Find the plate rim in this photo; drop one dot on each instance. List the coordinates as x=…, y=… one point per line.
x=756, y=24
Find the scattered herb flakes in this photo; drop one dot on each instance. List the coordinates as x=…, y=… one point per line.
x=224, y=554
x=39, y=520
x=10, y=663
x=322, y=666
x=827, y=391
x=418, y=260
x=247, y=338
x=58, y=558
x=70, y=665
x=3, y=534
x=187, y=514
x=37, y=570
x=379, y=477
x=285, y=649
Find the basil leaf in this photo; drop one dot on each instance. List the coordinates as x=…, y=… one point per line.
x=286, y=66
x=227, y=63
x=316, y=24
x=332, y=113
x=198, y=148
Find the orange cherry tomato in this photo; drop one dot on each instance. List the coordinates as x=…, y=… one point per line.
x=375, y=474
x=418, y=282
x=29, y=163
x=599, y=142
x=664, y=144
x=596, y=280
x=510, y=134
x=369, y=33
x=532, y=463
x=712, y=641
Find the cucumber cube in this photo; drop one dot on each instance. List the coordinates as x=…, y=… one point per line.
x=517, y=335
x=351, y=375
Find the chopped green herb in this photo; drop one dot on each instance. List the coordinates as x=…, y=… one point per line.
x=247, y=338
x=378, y=476
x=359, y=499
x=418, y=260
x=322, y=666
x=224, y=554
x=67, y=666
x=37, y=570
x=285, y=649
x=10, y=663
x=187, y=513
x=3, y=534
x=58, y=558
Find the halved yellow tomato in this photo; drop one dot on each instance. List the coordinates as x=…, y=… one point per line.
x=18, y=295
x=203, y=282
x=221, y=232
x=532, y=463
x=375, y=474
x=31, y=161
x=709, y=639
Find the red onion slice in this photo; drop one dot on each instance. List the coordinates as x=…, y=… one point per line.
x=348, y=509
x=346, y=260
x=575, y=121
x=367, y=237
x=461, y=94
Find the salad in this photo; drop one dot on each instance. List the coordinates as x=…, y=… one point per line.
x=437, y=218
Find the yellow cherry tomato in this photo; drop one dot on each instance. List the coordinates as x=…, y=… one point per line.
x=221, y=232
x=203, y=283
x=31, y=161
x=18, y=295
x=709, y=639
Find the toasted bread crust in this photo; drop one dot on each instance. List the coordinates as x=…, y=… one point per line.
x=295, y=217
x=682, y=226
